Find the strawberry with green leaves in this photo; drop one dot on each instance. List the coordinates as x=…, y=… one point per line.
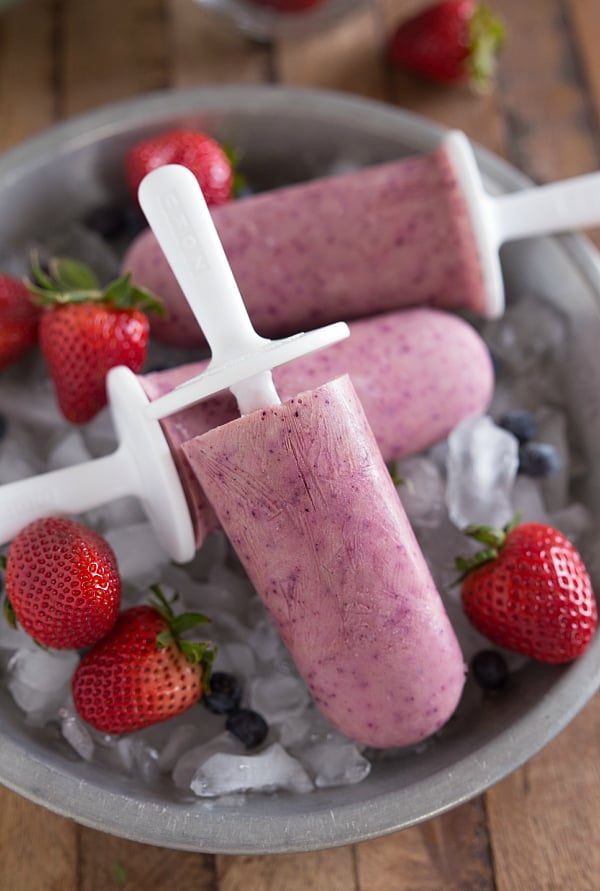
x=528, y=590
x=86, y=329
x=144, y=671
x=453, y=41
x=19, y=321
x=62, y=583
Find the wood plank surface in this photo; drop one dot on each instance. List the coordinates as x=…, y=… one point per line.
x=27, y=70
x=61, y=57
x=543, y=817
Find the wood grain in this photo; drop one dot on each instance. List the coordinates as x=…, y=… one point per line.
x=345, y=57
x=39, y=849
x=204, y=50
x=448, y=853
x=106, y=862
x=584, y=19
x=332, y=870
x=27, y=70
x=544, y=817
x=109, y=51
x=548, y=119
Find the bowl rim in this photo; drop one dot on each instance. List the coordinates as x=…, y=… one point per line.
x=206, y=829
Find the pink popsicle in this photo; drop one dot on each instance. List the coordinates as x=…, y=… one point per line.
x=341, y=247
x=306, y=500
x=417, y=372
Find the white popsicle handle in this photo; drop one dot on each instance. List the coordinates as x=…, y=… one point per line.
x=542, y=210
x=174, y=205
x=242, y=361
x=71, y=490
x=141, y=466
x=496, y=219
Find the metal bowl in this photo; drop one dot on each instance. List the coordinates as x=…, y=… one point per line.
x=283, y=135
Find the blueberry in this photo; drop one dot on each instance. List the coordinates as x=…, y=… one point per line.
x=248, y=726
x=538, y=459
x=225, y=693
x=107, y=220
x=520, y=423
x=490, y=669
x=112, y=220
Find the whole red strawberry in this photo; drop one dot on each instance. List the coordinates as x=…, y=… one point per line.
x=200, y=153
x=62, y=583
x=86, y=330
x=451, y=42
x=529, y=591
x=142, y=672
x=19, y=320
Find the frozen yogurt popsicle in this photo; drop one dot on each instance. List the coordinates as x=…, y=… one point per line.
x=420, y=230
x=307, y=502
x=303, y=493
x=417, y=373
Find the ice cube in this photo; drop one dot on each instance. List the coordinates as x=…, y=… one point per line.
x=136, y=756
x=191, y=761
x=138, y=552
x=236, y=658
x=265, y=641
x=335, y=762
x=529, y=332
x=441, y=547
x=278, y=696
x=34, y=404
x=267, y=771
x=482, y=467
x=68, y=451
x=18, y=457
x=182, y=739
x=77, y=734
x=39, y=680
x=421, y=490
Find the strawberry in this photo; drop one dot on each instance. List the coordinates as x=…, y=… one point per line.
x=19, y=320
x=86, y=330
x=451, y=42
x=201, y=154
x=143, y=672
x=529, y=591
x=62, y=583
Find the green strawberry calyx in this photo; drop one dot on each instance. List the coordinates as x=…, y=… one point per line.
x=239, y=181
x=196, y=652
x=70, y=281
x=487, y=34
x=492, y=537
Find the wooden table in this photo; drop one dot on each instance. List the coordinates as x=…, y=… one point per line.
x=537, y=829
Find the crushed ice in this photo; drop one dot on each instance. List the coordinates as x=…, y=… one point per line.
x=472, y=478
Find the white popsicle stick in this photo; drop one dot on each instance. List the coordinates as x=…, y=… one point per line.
x=539, y=210
x=141, y=466
x=242, y=361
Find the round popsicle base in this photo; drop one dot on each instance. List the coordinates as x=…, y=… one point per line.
x=158, y=485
